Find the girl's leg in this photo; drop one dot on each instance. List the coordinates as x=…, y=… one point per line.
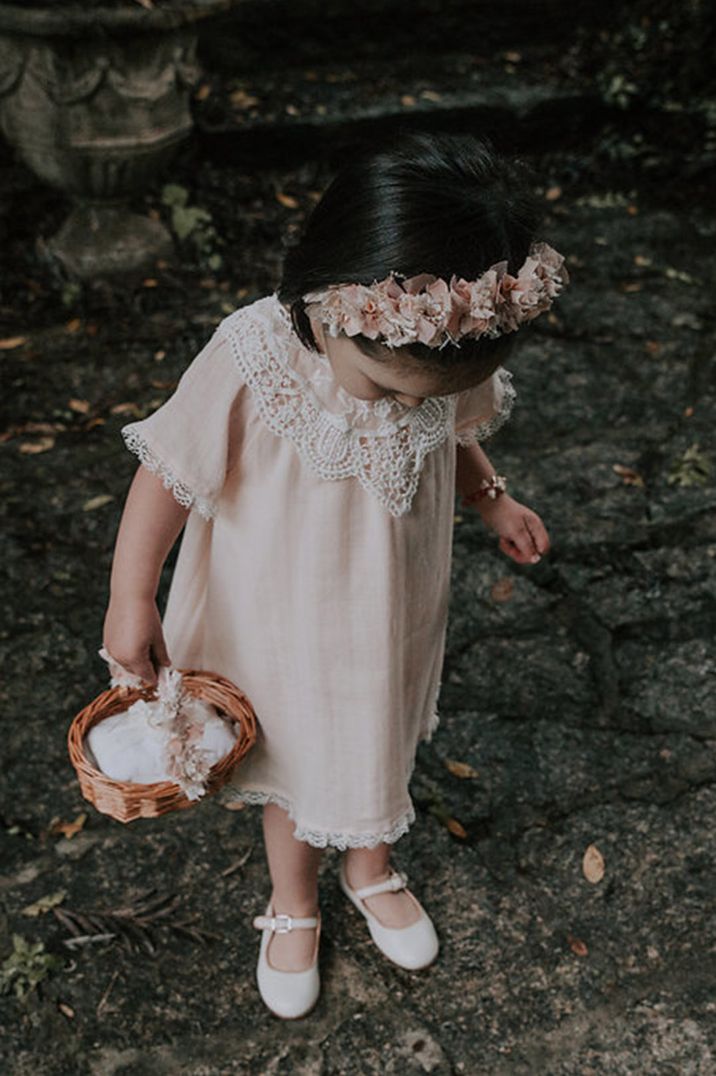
x=365, y=866
x=293, y=866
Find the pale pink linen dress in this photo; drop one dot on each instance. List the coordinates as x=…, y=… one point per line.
x=314, y=567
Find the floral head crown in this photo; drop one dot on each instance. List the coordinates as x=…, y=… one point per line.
x=428, y=309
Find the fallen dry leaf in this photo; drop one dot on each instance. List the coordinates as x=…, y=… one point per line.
x=12, y=341
x=39, y=907
x=577, y=945
x=66, y=1010
x=73, y=325
x=242, y=99
x=31, y=448
x=641, y=259
x=501, y=591
x=123, y=408
x=593, y=864
x=630, y=285
x=41, y=427
x=82, y=406
x=234, y=805
x=688, y=412
x=67, y=829
x=632, y=210
x=629, y=476
x=456, y=828
x=431, y=95
x=97, y=502
x=512, y=57
x=408, y=100
x=460, y=769
x=553, y=193
x=150, y=282
x=203, y=92
x=287, y=200
x=652, y=346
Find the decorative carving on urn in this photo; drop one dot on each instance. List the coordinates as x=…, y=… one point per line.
x=96, y=105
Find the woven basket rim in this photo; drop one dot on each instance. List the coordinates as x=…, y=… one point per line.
x=167, y=795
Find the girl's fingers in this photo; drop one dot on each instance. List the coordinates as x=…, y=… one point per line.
x=538, y=533
x=525, y=542
x=508, y=546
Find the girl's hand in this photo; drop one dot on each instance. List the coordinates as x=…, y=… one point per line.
x=133, y=635
x=523, y=535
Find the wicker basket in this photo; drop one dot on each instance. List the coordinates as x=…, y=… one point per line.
x=125, y=800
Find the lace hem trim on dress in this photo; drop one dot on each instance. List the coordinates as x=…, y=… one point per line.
x=183, y=494
x=320, y=838
x=387, y=461
x=470, y=435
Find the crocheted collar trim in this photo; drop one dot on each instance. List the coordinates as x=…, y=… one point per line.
x=386, y=407
x=385, y=454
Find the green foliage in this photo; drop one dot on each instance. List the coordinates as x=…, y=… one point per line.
x=71, y=292
x=27, y=965
x=616, y=89
x=692, y=468
x=655, y=52
x=192, y=225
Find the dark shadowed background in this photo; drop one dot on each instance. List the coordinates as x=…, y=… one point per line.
x=578, y=703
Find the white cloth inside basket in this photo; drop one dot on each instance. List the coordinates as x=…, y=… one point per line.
x=177, y=737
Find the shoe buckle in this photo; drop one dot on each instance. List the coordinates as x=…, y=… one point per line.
x=287, y=923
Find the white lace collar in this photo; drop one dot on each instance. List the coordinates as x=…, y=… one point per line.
x=382, y=443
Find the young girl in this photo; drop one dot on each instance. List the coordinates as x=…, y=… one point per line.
x=311, y=452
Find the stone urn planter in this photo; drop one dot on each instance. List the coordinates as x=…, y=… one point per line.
x=95, y=99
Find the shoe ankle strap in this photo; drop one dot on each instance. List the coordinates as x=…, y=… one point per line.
x=282, y=924
x=397, y=880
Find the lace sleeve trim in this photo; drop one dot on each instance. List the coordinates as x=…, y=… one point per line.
x=480, y=431
x=182, y=493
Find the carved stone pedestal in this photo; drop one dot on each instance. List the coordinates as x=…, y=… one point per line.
x=96, y=101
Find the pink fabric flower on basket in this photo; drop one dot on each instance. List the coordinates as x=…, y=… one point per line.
x=178, y=736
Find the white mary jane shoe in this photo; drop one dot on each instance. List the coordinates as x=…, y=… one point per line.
x=288, y=994
x=411, y=947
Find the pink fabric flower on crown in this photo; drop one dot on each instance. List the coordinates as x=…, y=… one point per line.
x=427, y=309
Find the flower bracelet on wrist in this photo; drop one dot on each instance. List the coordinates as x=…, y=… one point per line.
x=491, y=487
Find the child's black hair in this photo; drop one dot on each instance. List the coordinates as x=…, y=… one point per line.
x=420, y=202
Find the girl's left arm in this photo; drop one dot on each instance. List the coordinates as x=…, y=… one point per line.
x=522, y=533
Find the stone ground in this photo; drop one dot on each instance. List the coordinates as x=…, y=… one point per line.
x=579, y=695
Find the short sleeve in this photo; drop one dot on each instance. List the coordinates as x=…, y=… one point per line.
x=483, y=409
x=192, y=440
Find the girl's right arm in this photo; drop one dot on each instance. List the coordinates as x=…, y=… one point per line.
x=150, y=524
